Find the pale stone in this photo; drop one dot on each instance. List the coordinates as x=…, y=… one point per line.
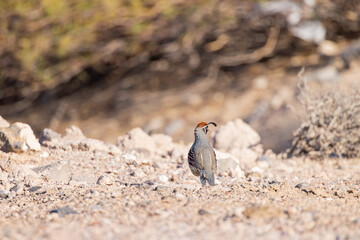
x=240, y=140
x=59, y=171
x=19, y=137
x=48, y=135
x=136, y=138
x=74, y=133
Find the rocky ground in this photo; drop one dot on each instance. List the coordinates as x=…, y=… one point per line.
x=73, y=187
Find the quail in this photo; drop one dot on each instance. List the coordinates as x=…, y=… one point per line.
x=201, y=157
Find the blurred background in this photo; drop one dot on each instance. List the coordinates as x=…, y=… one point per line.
x=112, y=65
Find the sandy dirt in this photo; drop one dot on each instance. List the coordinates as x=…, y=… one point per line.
x=158, y=198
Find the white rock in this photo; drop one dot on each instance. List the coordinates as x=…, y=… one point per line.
x=237, y=172
x=239, y=139
x=20, y=172
x=256, y=170
x=225, y=161
x=128, y=157
x=179, y=196
x=246, y=156
x=238, y=211
x=19, y=137
x=48, y=135
x=27, y=134
x=235, y=134
x=113, y=149
x=77, y=183
x=59, y=171
x=136, y=138
x=90, y=144
x=142, y=155
x=228, y=163
x=163, y=178
x=263, y=164
x=179, y=153
x=163, y=143
x=74, y=133
x=83, y=179
x=44, y=154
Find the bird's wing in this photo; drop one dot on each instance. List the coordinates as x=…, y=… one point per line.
x=195, y=160
x=207, y=159
x=214, y=161
x=199, y=160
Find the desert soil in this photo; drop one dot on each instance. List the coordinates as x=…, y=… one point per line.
x=158, y=198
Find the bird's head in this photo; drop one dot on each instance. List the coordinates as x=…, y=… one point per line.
x=204, y=126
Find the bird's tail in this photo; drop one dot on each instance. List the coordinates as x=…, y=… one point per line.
x=207, y=175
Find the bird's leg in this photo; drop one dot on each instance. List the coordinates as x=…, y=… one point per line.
x=202, y=180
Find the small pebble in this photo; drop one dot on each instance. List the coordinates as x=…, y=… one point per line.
x=44, y=154
x=163, y=178
x=4, y=193
x=179, y=196
x=105, y=180
x=63, y=211
x=202, y=212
